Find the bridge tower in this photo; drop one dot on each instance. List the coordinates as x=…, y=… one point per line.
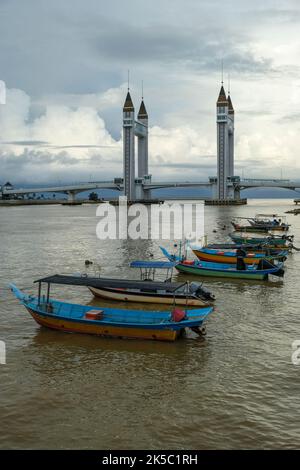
x=230, y=136
x=142, y=141
x=128, y=148
x=222, y=144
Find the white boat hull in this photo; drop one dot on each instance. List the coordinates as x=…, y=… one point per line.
x=132, y=297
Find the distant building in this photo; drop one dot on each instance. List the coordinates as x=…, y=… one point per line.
x=5, y=187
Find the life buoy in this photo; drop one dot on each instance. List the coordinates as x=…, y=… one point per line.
x=188, y=262
x=178, y=315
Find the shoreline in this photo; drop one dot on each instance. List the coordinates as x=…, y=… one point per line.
x=47, y=202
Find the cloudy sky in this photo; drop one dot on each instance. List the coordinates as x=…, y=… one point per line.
x=65, y=66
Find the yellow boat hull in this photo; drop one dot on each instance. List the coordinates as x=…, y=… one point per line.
x=223, y=259
x=70, y=326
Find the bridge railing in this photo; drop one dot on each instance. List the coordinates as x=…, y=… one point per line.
x=263, y=180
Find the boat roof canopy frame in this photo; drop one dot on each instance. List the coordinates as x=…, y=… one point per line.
x=107, y=282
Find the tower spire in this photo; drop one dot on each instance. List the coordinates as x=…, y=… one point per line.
x=142, y=138
x=128, y=147
x=230, y=107
x=128, y=105
x=222, y=100
x=222, y=72
x=142, y=114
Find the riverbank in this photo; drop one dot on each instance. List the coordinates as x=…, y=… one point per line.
x=45, y=202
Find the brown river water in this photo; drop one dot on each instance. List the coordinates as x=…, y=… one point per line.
x=237, y=388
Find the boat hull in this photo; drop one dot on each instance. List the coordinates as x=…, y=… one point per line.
x=70, y=326
x=214, y=273
x=217, y=258
x=260, y=228
x=147, y=298
x=280, y=242
x=111, y=322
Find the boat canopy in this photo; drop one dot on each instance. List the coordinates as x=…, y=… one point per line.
x=232, y=246
x=99, y=282
x=262, y=215
x=269, y=215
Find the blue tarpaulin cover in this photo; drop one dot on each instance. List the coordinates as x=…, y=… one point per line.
x=153, y=264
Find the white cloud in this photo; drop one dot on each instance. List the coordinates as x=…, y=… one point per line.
x=28, y=144
x=70, y=139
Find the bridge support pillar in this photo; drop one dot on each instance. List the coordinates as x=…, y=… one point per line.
x=214, y=190
x=71, y=196
x=231, y=193
x=237, y=194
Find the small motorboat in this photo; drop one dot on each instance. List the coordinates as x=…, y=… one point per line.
x=110, y=322
x=149, y=291
x=230, y=256
x=263, y=223
x=248, y=248
x=249, y=228
x=260, y=271
x=283, y=241
x=270, y=221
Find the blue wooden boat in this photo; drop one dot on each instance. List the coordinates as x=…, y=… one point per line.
x=259, y=271
x=110, y=322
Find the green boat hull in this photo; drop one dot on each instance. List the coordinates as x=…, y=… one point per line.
x=229, y=274
x=254, y=241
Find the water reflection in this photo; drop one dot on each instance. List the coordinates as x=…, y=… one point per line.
x=236, y=388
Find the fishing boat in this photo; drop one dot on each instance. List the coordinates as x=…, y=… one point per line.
x=248, y=248
x=248, y=228
x=230, y=256
x=274, y=222
x=262, y=223
x=149, y=291
x=260, y=271
x=110, y=322
x=285, y=241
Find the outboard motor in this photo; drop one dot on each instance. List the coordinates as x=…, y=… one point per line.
x=201, y=331
x=264, y=264
x=201, y=291
x=204, y=294
x=279, y=273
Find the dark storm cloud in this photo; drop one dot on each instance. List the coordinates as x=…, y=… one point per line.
x=200, y=48
x=29, y=143
x=190, y=165
x=45, y=158
x=35, y=157
x=83, y=146
x=256, y=112
x=279, y=15
x=294, y=117
x=75, y=46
